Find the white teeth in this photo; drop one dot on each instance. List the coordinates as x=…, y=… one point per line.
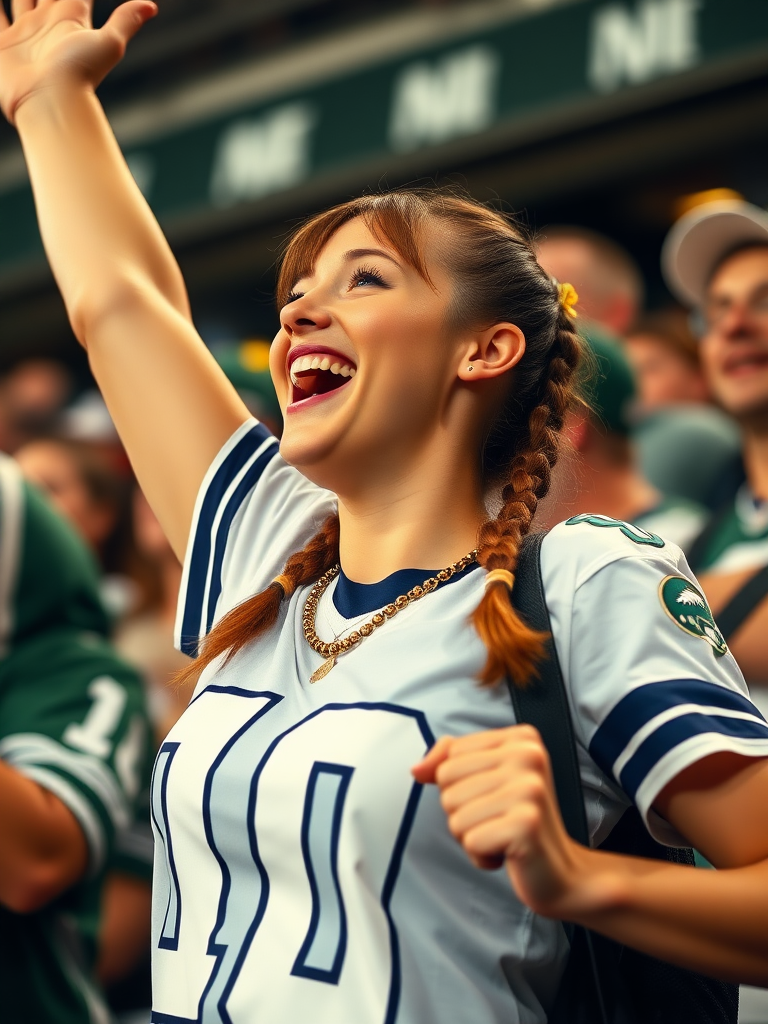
x=319, y=362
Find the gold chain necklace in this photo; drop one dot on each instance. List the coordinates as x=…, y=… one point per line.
x=332, y=651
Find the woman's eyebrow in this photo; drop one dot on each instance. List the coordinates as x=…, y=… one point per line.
x=356, y=254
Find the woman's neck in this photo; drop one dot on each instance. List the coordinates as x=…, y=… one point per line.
x=426, y=520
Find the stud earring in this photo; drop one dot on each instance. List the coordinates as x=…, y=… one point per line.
x=470, y=368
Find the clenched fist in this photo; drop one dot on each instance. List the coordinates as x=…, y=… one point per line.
x=497, y=791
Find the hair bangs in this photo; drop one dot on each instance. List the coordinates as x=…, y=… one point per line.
x=395, y=219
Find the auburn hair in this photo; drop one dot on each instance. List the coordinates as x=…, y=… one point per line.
x=497, y=279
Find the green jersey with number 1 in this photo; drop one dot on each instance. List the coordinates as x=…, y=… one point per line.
x=72, y=719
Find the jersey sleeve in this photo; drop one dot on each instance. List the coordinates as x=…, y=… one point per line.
x=253, y=511
x=72, y=718
x=652, y=685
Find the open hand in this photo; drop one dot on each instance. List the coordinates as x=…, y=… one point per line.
x=52, y=43
x=496, y=788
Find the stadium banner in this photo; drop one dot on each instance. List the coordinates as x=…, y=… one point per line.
x=552, y=67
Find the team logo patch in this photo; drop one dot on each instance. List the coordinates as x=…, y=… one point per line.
x=635, y=533
x=688, y=609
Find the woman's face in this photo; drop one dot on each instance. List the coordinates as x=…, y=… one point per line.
x=365, y=362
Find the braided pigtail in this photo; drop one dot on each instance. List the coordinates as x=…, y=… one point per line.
x=513, y=647
x=254, y=616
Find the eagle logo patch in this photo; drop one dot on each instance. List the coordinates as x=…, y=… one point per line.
x=688, y=609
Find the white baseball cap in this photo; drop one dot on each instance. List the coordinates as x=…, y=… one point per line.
x=701, y=239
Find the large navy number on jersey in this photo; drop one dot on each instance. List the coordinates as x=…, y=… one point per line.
x=289, y=817
x=169, y=933
x=322, y=955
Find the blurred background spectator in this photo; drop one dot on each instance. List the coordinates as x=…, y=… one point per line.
x=32, y=395
x=88, y=483
x=664, y=354
x=716, y=260
x=599, y=471
x=676, y=418
x=75, y=755
x=606, y=277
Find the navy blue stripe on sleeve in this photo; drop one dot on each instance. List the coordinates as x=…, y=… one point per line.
x=196, y=599
x=672, y=734
x=646, y=702
x=249, y=481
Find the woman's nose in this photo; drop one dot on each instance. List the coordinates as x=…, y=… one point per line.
x=303, y=317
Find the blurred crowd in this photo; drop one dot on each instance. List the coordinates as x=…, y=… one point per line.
x=673, y=438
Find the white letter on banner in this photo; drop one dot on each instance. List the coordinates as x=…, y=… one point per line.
x=268, y=154
x=659, y=38
x=436, y=102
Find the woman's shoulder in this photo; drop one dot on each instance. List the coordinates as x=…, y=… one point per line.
x=252, y=513
x=581, y=546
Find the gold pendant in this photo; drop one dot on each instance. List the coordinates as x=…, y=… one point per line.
x=323, y=671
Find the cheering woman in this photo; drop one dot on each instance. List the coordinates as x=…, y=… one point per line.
x=330, y=807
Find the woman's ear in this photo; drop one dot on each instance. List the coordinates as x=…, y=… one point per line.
x=492, y=353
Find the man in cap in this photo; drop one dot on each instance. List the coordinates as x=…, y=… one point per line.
x=715, y=259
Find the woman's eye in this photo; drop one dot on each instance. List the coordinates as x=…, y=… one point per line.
x=292, y=297
x=366, y=275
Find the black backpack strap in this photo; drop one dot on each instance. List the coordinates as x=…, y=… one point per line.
x=544, y=702
x=743, y=603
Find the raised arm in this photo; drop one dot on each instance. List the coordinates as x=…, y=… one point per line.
x=122, y=288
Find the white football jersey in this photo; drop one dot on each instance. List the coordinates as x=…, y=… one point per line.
x=302, y=875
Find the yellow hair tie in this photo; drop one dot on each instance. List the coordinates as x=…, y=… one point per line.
x=568, y=297
x=285, y=583
x=500, y=576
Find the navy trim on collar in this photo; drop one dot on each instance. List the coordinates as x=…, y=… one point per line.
x=351, y=599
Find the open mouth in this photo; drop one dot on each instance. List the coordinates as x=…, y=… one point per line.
x=745, y=363
x=319, y=373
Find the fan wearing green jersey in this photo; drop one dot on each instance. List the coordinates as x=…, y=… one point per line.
x=73, y=759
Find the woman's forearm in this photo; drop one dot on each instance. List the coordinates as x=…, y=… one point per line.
x=99, y=233
x=714, y=922
x=497, y=790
